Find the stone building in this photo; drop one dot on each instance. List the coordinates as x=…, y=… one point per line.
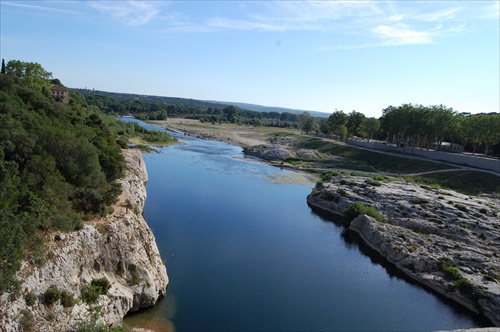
x=59, y=93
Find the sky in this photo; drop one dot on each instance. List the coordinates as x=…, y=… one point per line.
x=309, y=55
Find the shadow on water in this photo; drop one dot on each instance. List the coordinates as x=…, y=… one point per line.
x=353, y=240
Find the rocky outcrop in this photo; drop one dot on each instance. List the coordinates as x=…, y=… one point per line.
x=269, y=152
x=120, y=247
x=444, y=240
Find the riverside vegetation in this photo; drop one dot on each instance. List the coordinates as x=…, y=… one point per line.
x=60, y=165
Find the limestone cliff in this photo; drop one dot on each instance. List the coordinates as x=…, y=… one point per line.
x=445, y=240
x=120, y=247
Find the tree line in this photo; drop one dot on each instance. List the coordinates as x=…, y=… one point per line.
x=160, y=108
x=419, y=126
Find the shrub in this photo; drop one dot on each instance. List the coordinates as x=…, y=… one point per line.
x=355, y=209
x=373, y=182
x=93, y=326
x=30, y=299
x=461, y=207
x=67, y=300
x=26, y=321
x=103, y=285
x=342, y=192
x=328, y=175
x=452, y=272
x=90, y=293
x=420, y=201
x=51, y=295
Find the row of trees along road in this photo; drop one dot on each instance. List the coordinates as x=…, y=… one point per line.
x=418, y=126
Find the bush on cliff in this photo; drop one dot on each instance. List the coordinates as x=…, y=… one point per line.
x=90, y=293
x=355, y=209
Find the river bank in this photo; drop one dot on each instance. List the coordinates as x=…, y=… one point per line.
x=442, y=239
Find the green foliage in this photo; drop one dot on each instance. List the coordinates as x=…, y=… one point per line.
x=159, y=108
x=32, y=74
x=461, y=207
x=67, y=300
x=58, y=162
x=90, y=293
x=306, y=122
x=355, y=209
x=326, y=176
x=373, y=182
x=30, y=299
x=51, y=296
x=102, y=284
x=429, y=126
x=453, y=273
x=93, y=326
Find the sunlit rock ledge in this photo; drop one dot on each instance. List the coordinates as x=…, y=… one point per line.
x=444, y=240
x=120, y=247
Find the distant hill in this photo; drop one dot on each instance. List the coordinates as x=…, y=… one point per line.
x=196, y=103
x=154, y=99
x=260, y=108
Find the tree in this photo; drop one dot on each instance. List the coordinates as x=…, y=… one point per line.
x=231, y=113
x=337, y=124
x=371, y=126
x=32, y=73
x=3, y=66
x=440, y=122
x=306, y=122
x=355, y=123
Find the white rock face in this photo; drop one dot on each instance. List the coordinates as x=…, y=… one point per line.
x=422, y=227
x=120, y=247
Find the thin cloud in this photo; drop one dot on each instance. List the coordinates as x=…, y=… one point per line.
x=445, y=14
x=133, y=13
x=492, y=11
x=38, y=7
x=226, y=23
x=400, y=34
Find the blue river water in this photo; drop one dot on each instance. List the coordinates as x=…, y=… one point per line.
x=244, y=252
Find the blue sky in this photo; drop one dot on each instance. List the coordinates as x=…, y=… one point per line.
x=311, y=55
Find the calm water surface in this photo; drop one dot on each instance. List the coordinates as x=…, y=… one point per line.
x=244, y=252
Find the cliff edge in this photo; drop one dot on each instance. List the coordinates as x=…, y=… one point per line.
x=120, y=247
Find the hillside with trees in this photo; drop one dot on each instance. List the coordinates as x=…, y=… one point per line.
x=160, y=108
x=59, y=163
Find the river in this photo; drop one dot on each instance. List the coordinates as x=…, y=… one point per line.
x=244, y=252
